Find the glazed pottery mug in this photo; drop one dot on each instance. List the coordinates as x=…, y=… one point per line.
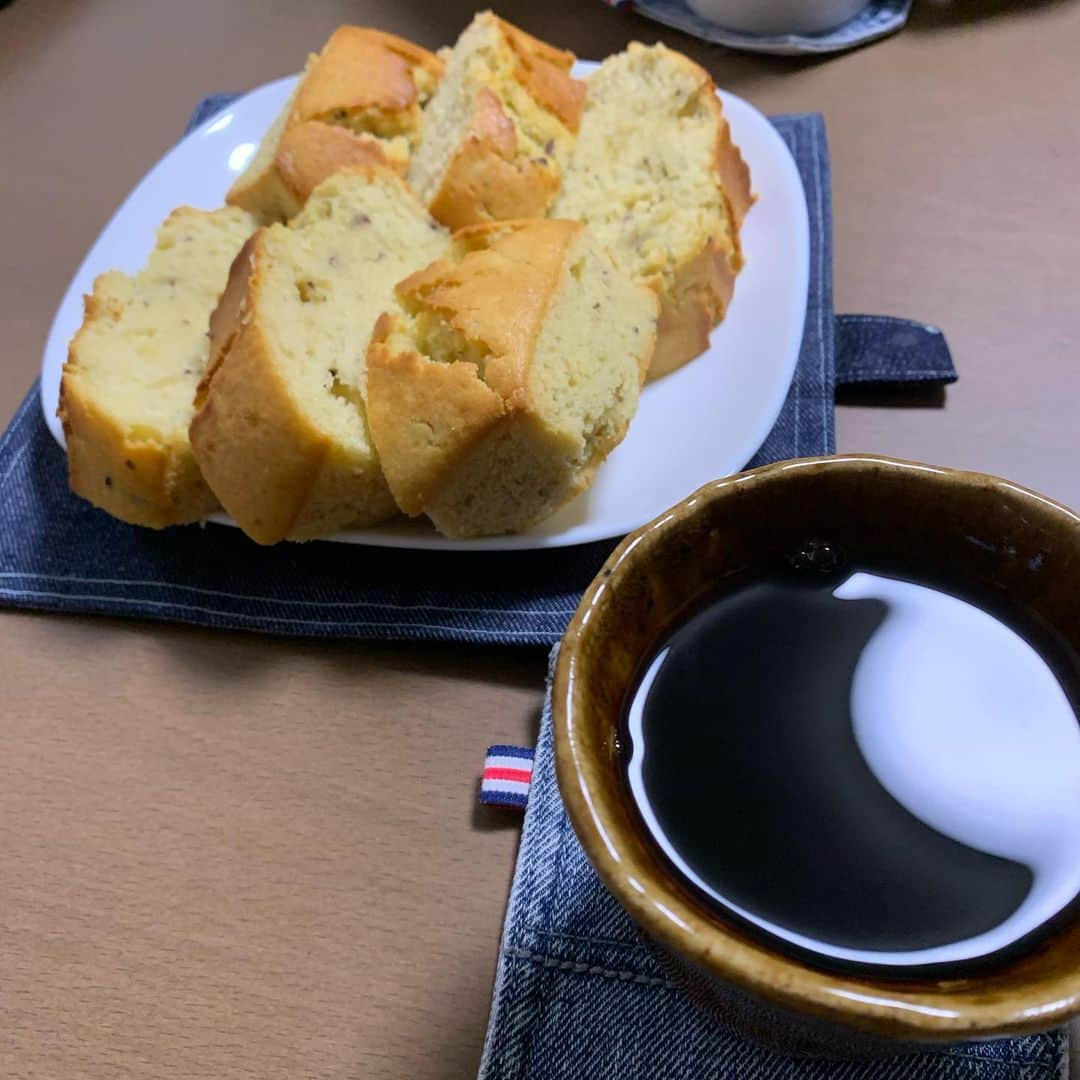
x=975, y=531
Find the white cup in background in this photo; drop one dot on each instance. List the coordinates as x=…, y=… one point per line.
x=778, y=16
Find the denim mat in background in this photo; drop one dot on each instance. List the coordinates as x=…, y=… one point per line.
x=578, y=996
x=58, y=553
x=875, y=21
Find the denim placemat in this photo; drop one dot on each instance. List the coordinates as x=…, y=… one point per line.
x=876, y=20
x=578, y=995
x=58, y=553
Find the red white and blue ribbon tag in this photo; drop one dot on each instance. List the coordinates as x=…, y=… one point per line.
x=507, y=776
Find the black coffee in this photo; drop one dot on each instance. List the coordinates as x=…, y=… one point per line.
x=867, y=770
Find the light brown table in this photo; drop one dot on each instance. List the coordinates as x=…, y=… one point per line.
x=229, y=856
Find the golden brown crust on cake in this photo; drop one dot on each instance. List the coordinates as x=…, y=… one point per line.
x=312, y=151
x=279, y=428
x=272, y=466
x=307, y=153
x=500, y=296
x=733, y=172
x=703, y=287
x=232, y=443
x=225, y=319
x=655, y=171
x=698, y=298
x=498, y=300
x=425, y=418
x=533, y=49
x=366, y=83
x=689, y=310
x=503, y=122
x=469, y=429
x=544, y=71
x=486, y=180
x=361, y=69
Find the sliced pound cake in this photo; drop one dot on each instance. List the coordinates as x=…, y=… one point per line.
x=306, y=155
x=655, y=174
x=499, y=128
x=372, y=88
x=280, y=430
x=132, y=369
x=505, y=374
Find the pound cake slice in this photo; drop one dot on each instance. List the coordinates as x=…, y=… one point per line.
x=655, y=174
x=499, y=127
x=358, y=102
x=280, y=430
x=505, y=375
x=127, y=387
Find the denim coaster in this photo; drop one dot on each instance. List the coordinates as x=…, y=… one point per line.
x=878, y=19
x=58, y=553
x=579, y=995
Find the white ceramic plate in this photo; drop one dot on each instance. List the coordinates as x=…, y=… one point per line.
x=702, y=422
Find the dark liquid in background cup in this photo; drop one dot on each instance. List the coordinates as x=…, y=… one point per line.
x=869, y=772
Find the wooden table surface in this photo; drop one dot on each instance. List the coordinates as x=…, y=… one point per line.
x=229, y=856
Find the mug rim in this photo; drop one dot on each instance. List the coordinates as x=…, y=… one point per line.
x=920, y=1009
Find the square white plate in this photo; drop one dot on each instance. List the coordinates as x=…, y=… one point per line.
x=703, y=421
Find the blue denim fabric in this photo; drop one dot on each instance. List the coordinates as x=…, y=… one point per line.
x=578, y=996
x=878, y=18
x=58, y=553
x=883, y=349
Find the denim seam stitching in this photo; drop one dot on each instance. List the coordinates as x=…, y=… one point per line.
x=905, y=375
x=796, y=381
x=499, y=1050
x=826, y=404
x=590, y=969
x=31, y=594
x=17, y=419
x=888, y=318
x=611, y=942
x=16, y=458
x=8, y=574
x=16, y=424
x=986, y=1059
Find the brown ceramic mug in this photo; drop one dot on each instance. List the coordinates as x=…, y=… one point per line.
x=966, y=528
